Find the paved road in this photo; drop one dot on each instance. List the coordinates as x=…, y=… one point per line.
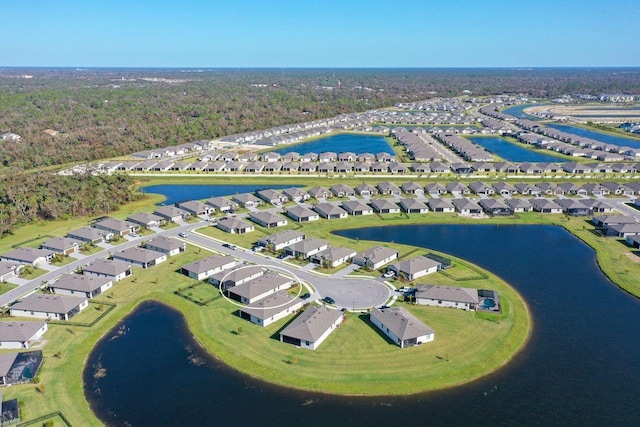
x=51, y=275
x=348, y=292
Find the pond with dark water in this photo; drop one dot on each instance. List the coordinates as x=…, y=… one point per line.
x=181, y=193
x=598, y=136
x=517, y=111
x=355, y=143
x=511, y=152
x=579, y=368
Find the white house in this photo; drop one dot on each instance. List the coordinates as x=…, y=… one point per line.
x=402, y=327
x=21, y=334
x=447, y=296
x=311, y=327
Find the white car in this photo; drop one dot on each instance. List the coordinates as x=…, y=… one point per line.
x=388, y=274
x=182, y=234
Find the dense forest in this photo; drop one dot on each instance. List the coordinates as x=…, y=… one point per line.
x=26, y=197
x=73, y=115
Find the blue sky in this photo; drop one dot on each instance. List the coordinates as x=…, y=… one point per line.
x=330, y=33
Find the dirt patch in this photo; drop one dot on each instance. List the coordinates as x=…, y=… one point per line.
x=632, y=257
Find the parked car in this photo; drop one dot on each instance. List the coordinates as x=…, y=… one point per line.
x=229, y=246
x=388, y=274
x=182, y=234
x=133, y=235
x=306, y=296
x=328, y=300
x=257, y=248
x=283, y=255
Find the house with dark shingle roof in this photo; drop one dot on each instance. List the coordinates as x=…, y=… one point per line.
x=9, y=270
x=494, y=207
x=467, y=207
x=320, y=192
x=330, y=211
x=116, y=226
x=145, y=219
x=268, y=219
x=307, y=247
x=375, y=258
x=47, y=306
x=90, y=235
x=62, y=245
x=29, y=256
x=413, y=206
x=236, y=276
x=356, y=207
x=171, y=213
x=234, y=225
x=447, y=296
x=311, y=327
x=402, y=327
x=333, y=256
x=518, y=205
x=384, y=206
x=302, y=214
x=166, y=245
x=261, y=287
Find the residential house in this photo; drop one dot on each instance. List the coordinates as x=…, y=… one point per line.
x=342, y=190
x=48, y=306
x=295, y=194
x=234, y=225
x=413, y=206
x=116, y=226
x=504, y=189
x=302, y=214
x=518, y=205
x=112, y=269
x=319, y=193
x=221, y=204
x=236, y=276
x=171, y=213
x=375, y=258
x=9, y=270
x=259, y=288
x=415, y=268
x=435, y=189
x=307, y=247
x=481, y=188
x=28, y=256
x=166, y=245
x=366, y=190
x=457, y=189
x=494, y=207
x=146, y=220
x=271, y=309
x=272, y=196
x=268, y=219
x=62, y=245
x=311, y=327
x=440, y=205
x=204, y=268
x=330, y=211
x=402, y=327
x=573, y=207
x=141, y=257
x=545, y=206
x=22, y=334
x=247, y=200
x=196, y=208
x=447, y=296
x=467, y=207
x=383, y=206
x=282, y=239
x=333, y=257
x=81, y=285
x=356, y=207
x=90, y=235
x=412, y=188
x=388, y=188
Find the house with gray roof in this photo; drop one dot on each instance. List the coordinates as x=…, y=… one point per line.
x=518, y=205
x=62, y=245
x=247, y=200
x=141, y=257
x=527, y=189
x=272, y=196
x=307, y=247
x=415, y=268
x=204, y=268
x=236, y=276
x=574, y=207
x=412, y=188
x=166, y=245
x=311, y=327
x=195, y=208
x=302, y=214
x=268, y=219
x=447, y=296
x=48, y=306
x=598, y=206
x=342, y=190
x=402, y=327
x=366, y=190
x=282, y=239
x=356, y=207
x=295, y=194
x=145, y=219
x=441, y=206
x=384, y=206
x=234, y=226
x=375, y=258
x=113, y=269
x=28, y=256
x=116, y=226
x=388, y=188
x=171, y=213
x=467, y=207
x=330, y=211
x=481, y=188
x=259, y=288
x=608, y=220
x=320, y=192
x=221, y=204
x=413, y=206
x=9, y=270
x=271, y=309
x=21, y=334
x=90, y=235
x=494, y=207
x=623, y=230
x=545, y=206
x=457, y=188
x=333, y=257
x=504, y=189
x=435, y=189
x=81, y=285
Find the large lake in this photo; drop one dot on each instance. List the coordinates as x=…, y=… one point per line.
x=517, y=111
x=181, y=193
x=598, y=136
x=511, y=152
x=579, y=368
x=341, y=143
